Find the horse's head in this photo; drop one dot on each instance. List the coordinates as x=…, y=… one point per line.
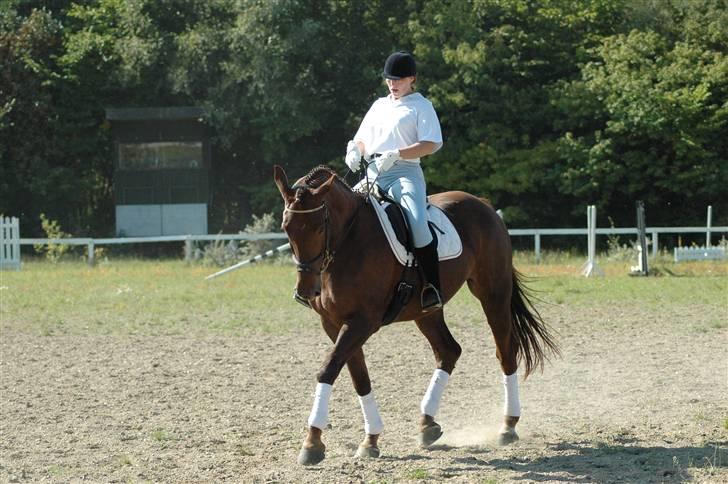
x=306, y=221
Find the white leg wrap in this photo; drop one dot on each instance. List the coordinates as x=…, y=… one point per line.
x=512, y=405
x=431, y=401
x=372, y=420
x=320, y=411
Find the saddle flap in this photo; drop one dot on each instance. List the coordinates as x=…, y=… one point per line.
x=449, y=245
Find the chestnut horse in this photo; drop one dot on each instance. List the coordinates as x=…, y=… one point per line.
x=348, y=274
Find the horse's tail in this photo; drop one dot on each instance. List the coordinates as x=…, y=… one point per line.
x=534, y=343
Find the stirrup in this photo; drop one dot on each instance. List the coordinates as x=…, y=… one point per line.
x=430, y=298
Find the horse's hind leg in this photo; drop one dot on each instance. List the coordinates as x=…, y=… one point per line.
x=447, y=351
x=496, y=302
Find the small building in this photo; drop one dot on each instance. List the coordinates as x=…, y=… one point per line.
x=161, y=171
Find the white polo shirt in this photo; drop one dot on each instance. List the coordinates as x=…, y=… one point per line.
x=391, y=124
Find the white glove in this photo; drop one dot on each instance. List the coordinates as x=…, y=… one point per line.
x=353, y=156
x=387, y=159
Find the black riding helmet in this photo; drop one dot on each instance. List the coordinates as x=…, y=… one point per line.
x=400, y=64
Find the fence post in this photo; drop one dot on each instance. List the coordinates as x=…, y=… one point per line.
x=537, y=247
x=188, y=248
x=590, y=267
x=655, y=249
x=641, y=268
x=9, y=243
x=91, y=255
x=709, y=224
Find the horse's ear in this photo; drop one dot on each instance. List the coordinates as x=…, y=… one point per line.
x=325, y=186
x=279, y=175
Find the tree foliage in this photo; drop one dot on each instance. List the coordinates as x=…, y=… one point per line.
x=546, y=106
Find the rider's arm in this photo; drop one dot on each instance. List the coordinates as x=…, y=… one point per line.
x=418, y=150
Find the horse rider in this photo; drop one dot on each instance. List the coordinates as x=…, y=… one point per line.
x=402, y=127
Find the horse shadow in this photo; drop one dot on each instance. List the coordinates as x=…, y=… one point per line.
x=586, y=462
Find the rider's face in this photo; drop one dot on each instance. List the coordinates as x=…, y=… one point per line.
x=400, y=87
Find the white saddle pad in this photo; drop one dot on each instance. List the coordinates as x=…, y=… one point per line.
x=449, y=245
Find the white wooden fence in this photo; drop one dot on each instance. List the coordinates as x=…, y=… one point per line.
x=535, y=233
x=699, y=253
x=9, y=243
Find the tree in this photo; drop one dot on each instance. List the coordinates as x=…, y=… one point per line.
x=655, y=127
x=490, y=67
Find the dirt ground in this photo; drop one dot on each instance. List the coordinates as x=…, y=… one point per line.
x=632, y=400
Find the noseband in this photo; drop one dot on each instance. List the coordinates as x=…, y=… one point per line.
x=326, y=254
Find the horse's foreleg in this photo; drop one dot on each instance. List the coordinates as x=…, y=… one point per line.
x=447, y=351
x=348, y=342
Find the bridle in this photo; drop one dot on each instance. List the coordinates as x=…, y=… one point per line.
x=326, y=254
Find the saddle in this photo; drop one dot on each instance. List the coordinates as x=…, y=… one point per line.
x=397, y=231
x=395, y=227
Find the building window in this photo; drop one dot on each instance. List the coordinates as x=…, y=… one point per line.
x=160, y=155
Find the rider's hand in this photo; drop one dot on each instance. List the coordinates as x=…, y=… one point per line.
x=387, y=159
x=353, y=156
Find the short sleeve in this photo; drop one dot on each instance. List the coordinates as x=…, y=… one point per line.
x=428, y=125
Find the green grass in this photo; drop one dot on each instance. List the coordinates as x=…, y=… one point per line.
x=172, y=297
x=162, y=436
x=417, y=474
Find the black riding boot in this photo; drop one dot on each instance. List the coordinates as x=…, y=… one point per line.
x=427, y=257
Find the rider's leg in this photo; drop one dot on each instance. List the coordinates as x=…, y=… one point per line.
x=410, y=192
x=427, y=257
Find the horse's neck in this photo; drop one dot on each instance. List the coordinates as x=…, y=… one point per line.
x=359, y=231
x=345, y=202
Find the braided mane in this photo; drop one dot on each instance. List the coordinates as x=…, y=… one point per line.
x=316, y=177
x=320, y=174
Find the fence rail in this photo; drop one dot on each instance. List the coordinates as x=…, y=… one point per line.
x=654, y=232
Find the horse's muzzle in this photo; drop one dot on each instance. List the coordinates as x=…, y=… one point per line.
x=300, y=299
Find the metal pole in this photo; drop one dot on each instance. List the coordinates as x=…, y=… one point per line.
x=590, y=267
x=257, y=258
x=593, y=234
x=641, y=234
x=708, y=226
x=537, y=247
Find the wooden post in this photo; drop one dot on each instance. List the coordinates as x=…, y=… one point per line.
x=641, y=269
x=188, y=249
x=91, y=256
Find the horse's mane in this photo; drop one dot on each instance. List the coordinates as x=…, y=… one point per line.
x=318, y=175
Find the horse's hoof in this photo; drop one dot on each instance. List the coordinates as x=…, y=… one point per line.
x=430, y=434
x=366, y=452
x=310, y=457
x=507, y=436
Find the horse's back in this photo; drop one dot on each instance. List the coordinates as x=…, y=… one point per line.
x=465, y=209
x=481, y=229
